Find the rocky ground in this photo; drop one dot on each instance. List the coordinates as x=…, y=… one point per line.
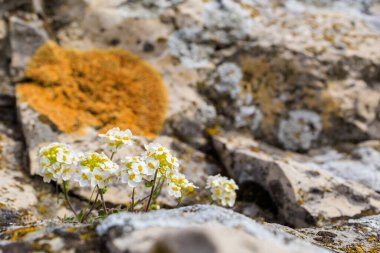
x=281, y=95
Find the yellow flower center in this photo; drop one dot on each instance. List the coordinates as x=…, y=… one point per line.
x=84, y=177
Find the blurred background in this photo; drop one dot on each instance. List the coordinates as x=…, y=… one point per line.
x=280, y=95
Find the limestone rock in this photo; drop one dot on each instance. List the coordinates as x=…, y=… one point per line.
x=361, y=164
x=300, y=130
x=198, y=228
x=354, y=235
x=25, y=37
x=12, y=174
x=23, y=199
x=303, y=194
x=48, y=236
x=7, y=6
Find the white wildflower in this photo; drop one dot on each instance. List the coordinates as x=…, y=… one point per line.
x=95, y=169
x=132, y=170
x=116, y=138
x=57, y=162
x=222, y=189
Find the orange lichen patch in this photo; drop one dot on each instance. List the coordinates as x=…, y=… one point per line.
x=98, y=88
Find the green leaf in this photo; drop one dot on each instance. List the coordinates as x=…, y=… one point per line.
x=149, y=184
x=80, y=215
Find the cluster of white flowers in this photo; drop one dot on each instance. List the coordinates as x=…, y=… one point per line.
x=162, y=161
x=222, y=189
x=95, y=169
x=156, y=167
x=57, y=162
x=116, y=138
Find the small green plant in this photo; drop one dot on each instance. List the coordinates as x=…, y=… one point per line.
x=156, y=167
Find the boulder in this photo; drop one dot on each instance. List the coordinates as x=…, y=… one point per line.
x=198, y=228
x=304, y=195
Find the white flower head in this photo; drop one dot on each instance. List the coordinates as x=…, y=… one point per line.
x=56, y=162
x=160, y=158
x=223, y=190
x=116, y=138
x=95, y=169
x=174, y=190
x=133, y=169
x=178, y=184
x=156, y=149
x=131, y=178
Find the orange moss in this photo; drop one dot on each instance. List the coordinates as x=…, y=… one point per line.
x=97, y=88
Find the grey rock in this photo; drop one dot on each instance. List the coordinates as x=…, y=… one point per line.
x=303, y=194
x=362, y=165
x=205, y=228
x=6, y=5
x=354, y=235
x=300, y=130
x=25, y=37
x=50, y=235
x=185, y=45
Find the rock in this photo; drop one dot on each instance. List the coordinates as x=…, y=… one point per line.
x=23, y=199
x=361, y=164
x=53, y=236
x=25, y=37
x=11, y=172
x=354, y=235
x=198, y=228
x=7, y=6
x=304, y=195
x=300, y=130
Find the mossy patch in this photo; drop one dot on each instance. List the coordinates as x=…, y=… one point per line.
x=97, y=88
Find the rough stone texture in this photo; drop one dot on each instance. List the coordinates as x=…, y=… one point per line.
x=26, y=35
x=358, y=163
x=303, y=195
x=50, y=236
x=6, y=5
x=354, y=235
x=198, y=228
x=300, y=130
x=23, y=199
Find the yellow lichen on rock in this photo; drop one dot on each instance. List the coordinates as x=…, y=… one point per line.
x=97, y=88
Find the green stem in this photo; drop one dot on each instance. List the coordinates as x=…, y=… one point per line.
x=56, y=192
x=141, y=200
x=133, y=200
x=89, y=200
x=151, y=192
x=65, y=190
x=91, y=208
x=102, y=198
x=113, y=153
